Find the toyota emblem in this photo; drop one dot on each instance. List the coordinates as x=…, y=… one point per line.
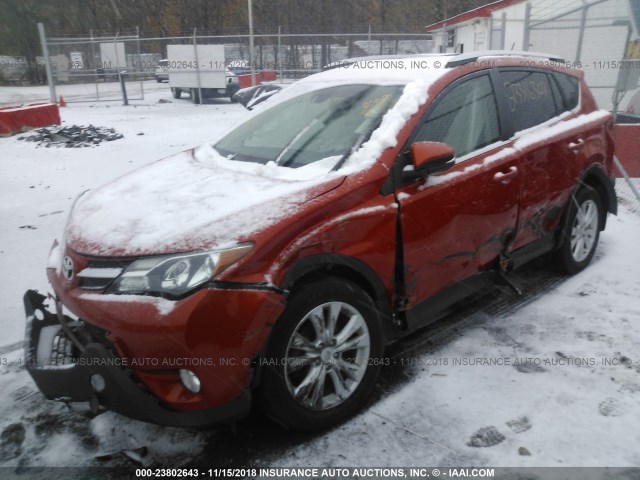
x=67, y=268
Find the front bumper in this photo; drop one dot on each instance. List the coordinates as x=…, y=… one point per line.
x=68, y=361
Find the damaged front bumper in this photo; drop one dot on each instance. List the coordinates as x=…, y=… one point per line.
x=70, y=361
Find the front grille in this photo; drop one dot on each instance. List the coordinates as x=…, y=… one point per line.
x=98, y=275
x=94, y=283
x=109, y=263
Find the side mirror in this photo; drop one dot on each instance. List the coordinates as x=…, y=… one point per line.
x=428, y=158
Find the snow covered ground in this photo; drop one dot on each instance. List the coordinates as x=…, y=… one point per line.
x=552, y=381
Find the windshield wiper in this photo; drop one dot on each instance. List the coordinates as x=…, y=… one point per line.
x=332, y=115
x=361, y=139
x=294, y=140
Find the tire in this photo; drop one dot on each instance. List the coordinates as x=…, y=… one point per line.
x=194, y=95
x=176, y=92
x=330, y=375
x=581, y=231
x=158, y=80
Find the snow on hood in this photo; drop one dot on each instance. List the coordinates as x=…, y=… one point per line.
x=191, y=201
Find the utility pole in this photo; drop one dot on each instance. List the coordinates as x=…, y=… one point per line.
x=47, y=63
x=251, y=59
x=444, y=26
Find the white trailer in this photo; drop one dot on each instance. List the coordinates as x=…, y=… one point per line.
x=200, y=71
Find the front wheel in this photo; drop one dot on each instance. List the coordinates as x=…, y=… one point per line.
x=324, y=356
x=581, y=231
x=176, y=92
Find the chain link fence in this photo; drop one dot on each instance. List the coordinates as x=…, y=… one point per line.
x=99, y=67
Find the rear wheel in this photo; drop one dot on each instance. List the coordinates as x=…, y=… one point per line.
x=581, y=231
x=176, y=92
x=195, y=98
x=324, y=356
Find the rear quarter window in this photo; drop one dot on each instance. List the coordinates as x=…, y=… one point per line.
x=570, y=88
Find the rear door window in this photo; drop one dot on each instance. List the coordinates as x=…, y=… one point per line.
x=530, y=98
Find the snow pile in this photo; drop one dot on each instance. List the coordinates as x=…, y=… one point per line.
x=73, y=136
x=143, y=443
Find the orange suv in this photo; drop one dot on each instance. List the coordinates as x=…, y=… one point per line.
x=276, y=262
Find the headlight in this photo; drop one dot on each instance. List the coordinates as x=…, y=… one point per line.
x=175, y=275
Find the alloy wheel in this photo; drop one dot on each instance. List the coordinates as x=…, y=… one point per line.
x=327, y=356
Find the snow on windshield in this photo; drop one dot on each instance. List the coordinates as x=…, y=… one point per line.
x=414, y=82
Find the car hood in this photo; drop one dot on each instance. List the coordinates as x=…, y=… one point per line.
x=192, y=201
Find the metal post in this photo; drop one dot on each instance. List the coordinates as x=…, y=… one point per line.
x=443, y=47
x=583, y=23
x=369, y=41
x=527, y=27
x=140, y=62
x=251, y=59
x=93, y=62
x=195, y=53
x=123, y=87
x=125, y=99
x=47, y=63
x=280, y=52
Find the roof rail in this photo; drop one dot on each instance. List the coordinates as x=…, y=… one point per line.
x=471, y=57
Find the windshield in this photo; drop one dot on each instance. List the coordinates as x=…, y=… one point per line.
x=331, y=122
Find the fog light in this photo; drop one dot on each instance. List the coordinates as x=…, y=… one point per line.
x=190, y=381
x=98, y=383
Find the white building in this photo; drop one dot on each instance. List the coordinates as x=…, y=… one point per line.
x=596, y=34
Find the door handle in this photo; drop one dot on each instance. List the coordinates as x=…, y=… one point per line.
x=505, y=177
x=578, y=144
